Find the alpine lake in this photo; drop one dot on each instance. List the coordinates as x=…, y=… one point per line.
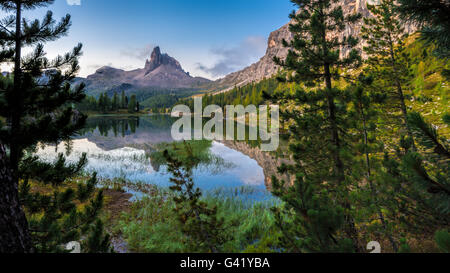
x=129, y=148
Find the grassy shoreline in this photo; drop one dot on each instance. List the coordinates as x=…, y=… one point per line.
x=148, y=224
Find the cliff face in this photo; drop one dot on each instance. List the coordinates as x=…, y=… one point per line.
x=265, y=67
x=157, y=59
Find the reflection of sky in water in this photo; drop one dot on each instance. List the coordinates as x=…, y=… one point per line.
x=246, y=169
x=235, y=170
x=108, y=164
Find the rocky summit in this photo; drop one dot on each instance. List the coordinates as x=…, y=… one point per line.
x=265, y=67
x=160, y=71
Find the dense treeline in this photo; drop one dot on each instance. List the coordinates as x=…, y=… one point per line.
x=163, y=101
x=369, y=164
x=106, y=104
x=426, y=84
x=245, y=95
x=156, y=101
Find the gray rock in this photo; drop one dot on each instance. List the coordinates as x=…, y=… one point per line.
x=161, y=71
x=266, y=68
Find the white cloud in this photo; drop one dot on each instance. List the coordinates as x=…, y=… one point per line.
x=74, y=2
x=141, y=54
x=235, y=58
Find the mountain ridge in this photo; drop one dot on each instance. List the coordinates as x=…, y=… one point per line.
x=266, y=68
x=160, y=72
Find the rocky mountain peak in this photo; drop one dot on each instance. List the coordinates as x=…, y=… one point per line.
x=160, y=71
x=156, y=52
x=158, y=59
x=266, y=68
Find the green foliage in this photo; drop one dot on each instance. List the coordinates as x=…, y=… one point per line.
x=132, y=104
x=57, y=218
x=308, y=220
x=97, y=242
x=316, y=216
x=404, y=247
x=431, y=168
x=432, y=17
x=204, y=230
x=36, y=100
x=345, y=191
x=115, y=102
x=159, y=101
x=427, y=135
x=198, y=152
x=244, y=95
x=153, y=226
x=105, y=104
x=358, y=177
x=387, y=59
x=443, y=240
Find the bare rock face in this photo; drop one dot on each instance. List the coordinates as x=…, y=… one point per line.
x=157, y=59
x=266, y=68
x=161, y=71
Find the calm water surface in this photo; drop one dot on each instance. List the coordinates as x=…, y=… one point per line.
x=120, y=147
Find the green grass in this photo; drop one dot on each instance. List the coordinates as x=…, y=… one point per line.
x=152, y=226
x=430, y=91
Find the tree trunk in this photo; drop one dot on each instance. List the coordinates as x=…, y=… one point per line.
x=15, y=128
x=400, y=95
x=369, y=178
x=405, y=115
x=14, y=233
x=350, y=230
x=334, y=128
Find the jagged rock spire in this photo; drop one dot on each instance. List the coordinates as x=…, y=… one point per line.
x=157, y=59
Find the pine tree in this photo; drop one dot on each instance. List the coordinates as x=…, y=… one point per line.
x=319, y=196
x=132, y=104
x=430, y=168
x=101, y=102
x=108, y=103
x=364, y=113
x=432, y=17
x=205, y=231
x=123, y=104
x=418, y=179
x=442, y=238
x=115, y=102
x=384, y=34
x=35, y=101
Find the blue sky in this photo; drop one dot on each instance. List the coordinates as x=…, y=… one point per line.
x=209, y=38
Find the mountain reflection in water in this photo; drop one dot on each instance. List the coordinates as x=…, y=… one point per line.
x=121, y=147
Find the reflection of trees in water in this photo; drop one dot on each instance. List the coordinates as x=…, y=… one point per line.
x=127, y=125
x=115, y=126
x=122, y=126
